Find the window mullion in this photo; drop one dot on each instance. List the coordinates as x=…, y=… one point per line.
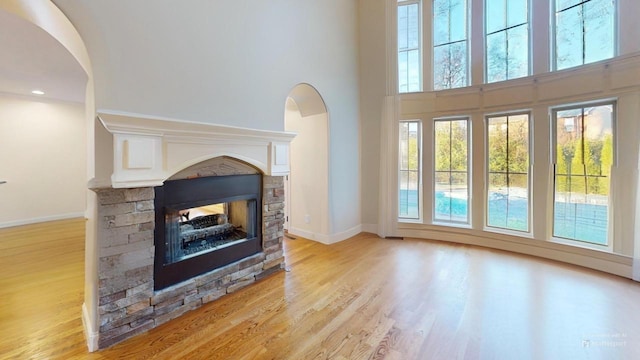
x=506, y=59
x=508, y=173
x=584, y=36
x=573, y=6
x=507, y=28
x=453, y=169
x=506, y=14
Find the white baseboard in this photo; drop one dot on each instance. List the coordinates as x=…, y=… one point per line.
x=636, y=269
x=327, y=239
x=91, y=336
x=344, y=235
x=40, y=219
x=302, y=233
x=370, y=228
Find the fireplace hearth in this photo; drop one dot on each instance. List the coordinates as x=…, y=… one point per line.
x=225, y=223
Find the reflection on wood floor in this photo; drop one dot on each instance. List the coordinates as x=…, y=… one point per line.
x=364, y=298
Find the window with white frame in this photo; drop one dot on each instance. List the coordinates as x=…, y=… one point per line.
x=409, y=183
x=584, y=152
x=450, y=33
x=451, y=171
x=409, y=54
x=584, y=31
x=508, y=172
x=507, y=39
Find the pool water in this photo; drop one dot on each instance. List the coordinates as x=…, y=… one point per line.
x=577, y=221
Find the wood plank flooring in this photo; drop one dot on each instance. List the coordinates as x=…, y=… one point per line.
x=364, y=298
x=41, y=290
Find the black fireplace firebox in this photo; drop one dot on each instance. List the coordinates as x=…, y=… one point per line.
x=205, y=223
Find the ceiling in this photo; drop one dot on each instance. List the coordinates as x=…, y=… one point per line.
x=32, y=59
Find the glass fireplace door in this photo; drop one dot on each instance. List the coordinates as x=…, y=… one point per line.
x=198, y=230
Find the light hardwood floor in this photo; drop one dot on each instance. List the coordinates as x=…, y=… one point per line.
x=364, y=298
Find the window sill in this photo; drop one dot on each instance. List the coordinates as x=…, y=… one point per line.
x=520, y=234
x=409, y=221
x=452, y=225
x=582, y=244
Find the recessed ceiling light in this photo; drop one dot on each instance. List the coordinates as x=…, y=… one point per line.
x=37, y=92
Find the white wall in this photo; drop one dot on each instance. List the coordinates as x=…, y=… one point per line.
x=43, y=160
x=224, y=62
x=372, y=92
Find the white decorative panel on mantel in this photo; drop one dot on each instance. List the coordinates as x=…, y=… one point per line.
x=279, y=159
x=147, y=150
x=139, y=153
x=137, y=160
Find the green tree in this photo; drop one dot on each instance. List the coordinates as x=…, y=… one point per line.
x=413, y=153
x=578, y=168
x=606, y=160
x=451, y=151
x=442, y=146
x=497, y=138
x=508, y=143
x=459, y=156
x=593, y=165
x=518, y=151
x=564, y=155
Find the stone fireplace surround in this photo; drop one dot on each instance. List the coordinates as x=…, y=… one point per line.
x=143, y=151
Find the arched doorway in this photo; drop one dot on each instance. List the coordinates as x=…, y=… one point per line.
x=46, y=18
x=42, y=106
x=307, y=188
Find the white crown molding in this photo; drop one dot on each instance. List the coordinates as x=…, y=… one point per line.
x=132, y=123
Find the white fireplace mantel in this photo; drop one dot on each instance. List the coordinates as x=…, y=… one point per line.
x=147, y=151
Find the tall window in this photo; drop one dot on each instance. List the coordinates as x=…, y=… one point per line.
x=508, y=172
x=584, y=154
x=584, y=31
x=507, y=39
x=450, y=65
x=409, y=176
x=409, y=73
x=451, y=174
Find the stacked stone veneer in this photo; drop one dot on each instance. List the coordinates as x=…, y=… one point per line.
x=128, y=304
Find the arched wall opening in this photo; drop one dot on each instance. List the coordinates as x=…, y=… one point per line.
x=46, y=16
x=307, y=189
x=40, y=133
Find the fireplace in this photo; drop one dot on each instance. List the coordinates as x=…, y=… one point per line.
x=205, y=223
x=183, y=214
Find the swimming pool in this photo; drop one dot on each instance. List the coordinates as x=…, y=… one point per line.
x=578, y=221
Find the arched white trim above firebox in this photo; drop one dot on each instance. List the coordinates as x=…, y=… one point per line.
x=205, y=159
